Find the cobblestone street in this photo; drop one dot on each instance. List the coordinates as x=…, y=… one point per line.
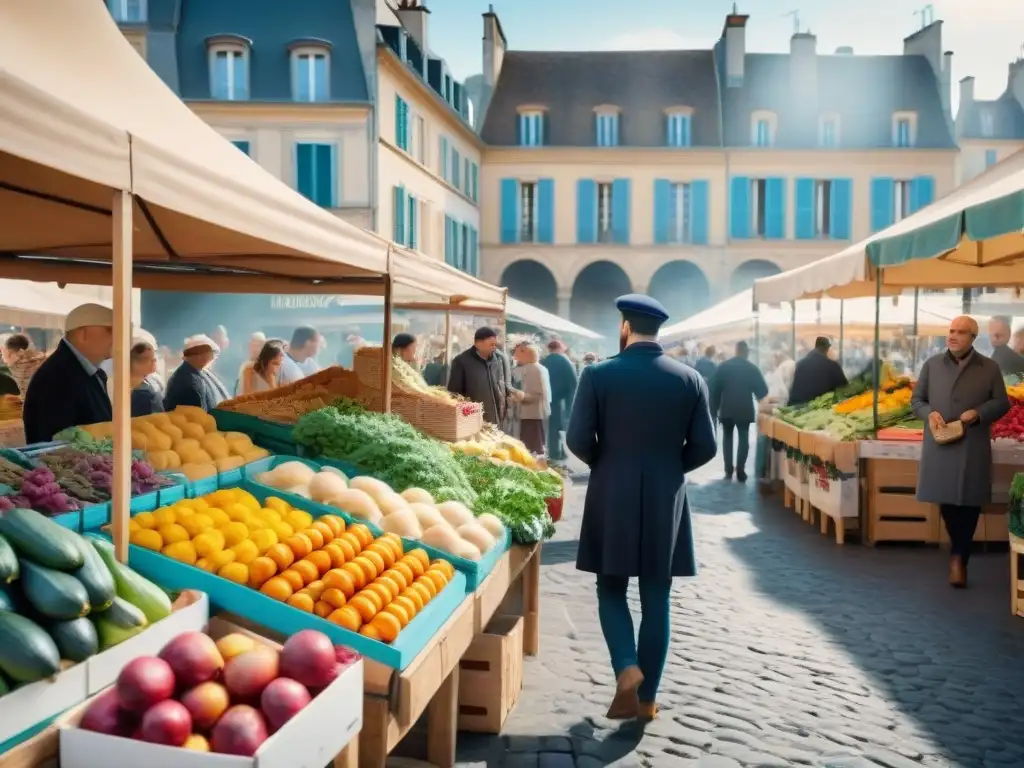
x=787, y=650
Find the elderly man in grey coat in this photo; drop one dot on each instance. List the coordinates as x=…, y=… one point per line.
x=963, y=385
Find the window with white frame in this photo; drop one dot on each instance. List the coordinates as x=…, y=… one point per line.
x=904, y=129
x=763, y=132
x=677, y=129
x=607, y=128
x=128, y=11
x=229, y=72
x=531, y=128
x=417, y=138
x=527, y=212
x=822, y=208
x=758, y=207
x=310, y=74
x=828, y=132
x=988, y=124
x=901, y=199
x=604, y=212
x=680, y=215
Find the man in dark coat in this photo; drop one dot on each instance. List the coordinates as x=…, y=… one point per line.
x=562, y=374
x=193, y=383
x=640, y=421
x=70, y=389
x=1000, y=333
x=736, y=385
x=483, y=375
x=963, y=385
x=816, y=374
x=705, y=364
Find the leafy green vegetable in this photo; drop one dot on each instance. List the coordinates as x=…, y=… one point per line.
x=516, y=495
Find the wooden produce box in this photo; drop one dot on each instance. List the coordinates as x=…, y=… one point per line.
x=893, y=514
x=1016, y=584
x=491, y=676
x=765, y=425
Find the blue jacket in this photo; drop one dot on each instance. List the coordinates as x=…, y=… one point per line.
x=190, y=386
x=562, y=375
x=61, y=395
x=641, y=423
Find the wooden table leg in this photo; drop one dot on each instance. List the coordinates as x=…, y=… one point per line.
x=531, y=604
x=1014, y=565
x=349, y=756
x=443, y=722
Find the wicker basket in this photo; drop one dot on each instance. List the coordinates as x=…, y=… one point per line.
x=286, y=405
x=369, y=366
x=445, y=421
x=12, y=433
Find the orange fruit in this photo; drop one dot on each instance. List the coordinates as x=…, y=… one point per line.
x=339, y=578
x=373, y=596
x=315, y=589
x=421, y=554
x=381, y=591
x=345, y=546
x=357, y=574
x=424, y=593
x=302, y=602
x=440, y=582
x=394, y=544
x=391, y=585
x=396, y=541
x=405, y=570
x=315, y=537
x=369, y=631
x=335, y=523
x=336, y=553
x=261, y=569
x=307, y=570
x=282, y=555
x=407, y=604
x=445, y=567
x=277, y=588
x=362, y=533
x=323, y=609
x=413, y=597
x=294, y=578
x=335, y=597
x=439, y=571
x=376, y=559
x=398, y=612
x=321, y=559
x=398, y=577
x=347, y=617
x=413, y=564
x=299, y=544
x=325, y=530
x=387, y=625
x=353, y=541
x=427, y=584
x=364, y=606
x=383, y=549
x=368, y=568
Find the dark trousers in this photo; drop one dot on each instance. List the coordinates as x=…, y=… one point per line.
x=960, y=525
x=743, y=447
x=556, y=447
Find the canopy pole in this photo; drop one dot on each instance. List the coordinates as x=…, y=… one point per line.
x=876, y=364
x=447, y=340
x=792, y=306
x=842, y=308
x=386, y=347
x=121, y=282
x=913, y=346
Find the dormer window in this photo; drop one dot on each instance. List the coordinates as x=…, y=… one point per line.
x=762, y=129
x=828, y=131
x=677, y=127
x=229, y=67
x=606, y=126
x=531, y=127
x=311, y=70
x=128, y=11
x=904, y=129
x=988, y=124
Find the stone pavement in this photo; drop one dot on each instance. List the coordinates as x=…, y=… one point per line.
x=787, y=650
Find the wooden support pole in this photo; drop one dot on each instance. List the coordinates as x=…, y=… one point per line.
x=386, y=345
x=121, y=280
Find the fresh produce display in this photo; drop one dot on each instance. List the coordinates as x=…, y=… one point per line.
x=226, y=696
x=63, y=597
x=515, y=495
x=492, y=443
x=891, y=395
x=1010, y=428
x=287, y=404
x=407, y=380
x=412, y=514
x=186, y=440
x=853, y=417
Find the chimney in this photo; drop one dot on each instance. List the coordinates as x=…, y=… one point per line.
x=494, y=55
x=947, y=83
x=927, y=42
x=966, y=91
x=844, y=50
x=735, y=37
x=803, y=66
x=1015, y=81
x=414, y=18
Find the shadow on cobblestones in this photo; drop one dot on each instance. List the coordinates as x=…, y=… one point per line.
x=558, y=552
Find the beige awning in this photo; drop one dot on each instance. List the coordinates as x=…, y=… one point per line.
x=420, y=279
x=84, y=115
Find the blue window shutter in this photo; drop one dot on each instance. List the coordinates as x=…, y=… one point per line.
x=456, y=167
x=739, y=207
x=240, y=76
x=242, y=145
x=620, y=211
x=586, y=211
x=699, y=212
x=882, y=211
x=320, y=76
x=509, y=211
x=546, y=211
x=444, y=158
x=662, y=210
x=399, y=215
x=842, y=209
x=686, y=130
x=447, y=240
x=775, y=209
x=304, y=176
x=805, y=209
x=991, y=158
x=922, y=192
x=473, y=259
x=474, y=190
x=410, y=235
x=324, y=175
x=398, y=120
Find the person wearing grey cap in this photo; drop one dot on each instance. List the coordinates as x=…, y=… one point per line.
x=70, y=388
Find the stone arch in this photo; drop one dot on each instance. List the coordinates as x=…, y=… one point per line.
x=593, y=297
x=532, y=282
x=682, y=288
x=745, y=274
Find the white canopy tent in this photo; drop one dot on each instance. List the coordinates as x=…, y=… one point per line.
x=539, y=318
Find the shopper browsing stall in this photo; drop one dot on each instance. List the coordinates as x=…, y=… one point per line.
x=146, y=397
x=193, y=383
x=737, y=383
x=256, y=342
x=641, y=423
x=1000, y=334
x=264, y=374
x=22, y=360
x=404, y=346
x=816, y=374
x=300, y=359
x=70, y=389
x=562, y=374
x=482, y=375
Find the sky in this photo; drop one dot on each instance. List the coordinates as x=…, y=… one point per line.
x=985, y=35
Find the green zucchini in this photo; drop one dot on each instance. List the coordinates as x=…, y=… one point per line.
x=27, y=652
x=8, y=562
x=37, y=537
x=11, y=599
x=140, y=592
x=119, y=622
x=4, y=687
x=95, y=577
x=55, y=594
x=76, y=639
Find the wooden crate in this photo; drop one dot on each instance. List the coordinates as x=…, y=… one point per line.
x=893, y=514
x=491, y=676
x=1016, y=585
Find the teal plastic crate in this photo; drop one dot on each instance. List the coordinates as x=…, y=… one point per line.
x=283, y=618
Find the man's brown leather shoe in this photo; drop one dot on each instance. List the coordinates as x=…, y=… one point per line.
x=957, y=572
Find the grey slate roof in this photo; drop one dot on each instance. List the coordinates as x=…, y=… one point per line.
x=571, y=84
x=1007, y=118
x=271, y=25
x=864, y=91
